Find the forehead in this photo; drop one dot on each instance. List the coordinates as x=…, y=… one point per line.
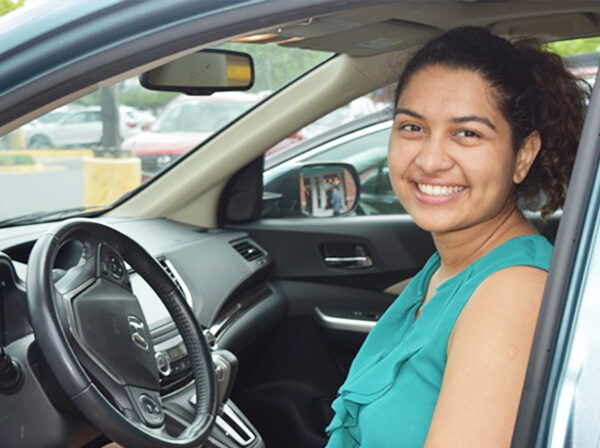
x=439, y=91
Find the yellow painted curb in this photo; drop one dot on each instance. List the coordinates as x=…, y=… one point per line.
x=17, y=138
x=50, y=153
x=26, y=169
x=106, y=180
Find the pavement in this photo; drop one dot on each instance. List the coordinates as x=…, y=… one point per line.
x=53, y=183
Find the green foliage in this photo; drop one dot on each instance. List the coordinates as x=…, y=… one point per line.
x=133, y=95
x=575, y=46
x=9, y=5
x=91, y=99
x=143, y=99
x=275, y=65
x=16, y=159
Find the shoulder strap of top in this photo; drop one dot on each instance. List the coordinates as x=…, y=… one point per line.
x=530, y=250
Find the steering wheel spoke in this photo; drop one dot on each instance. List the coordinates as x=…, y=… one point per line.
x=146, y=405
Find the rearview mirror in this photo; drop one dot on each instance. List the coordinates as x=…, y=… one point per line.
x=203, y=73
x=317, y=190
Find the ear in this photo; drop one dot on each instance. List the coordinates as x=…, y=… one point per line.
x=526, y=155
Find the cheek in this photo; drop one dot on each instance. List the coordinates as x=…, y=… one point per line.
x=399, y=160
x=488, y=177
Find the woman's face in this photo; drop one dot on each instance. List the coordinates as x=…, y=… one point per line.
x=450, y=154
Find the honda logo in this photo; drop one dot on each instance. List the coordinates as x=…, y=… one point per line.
x=138, y=332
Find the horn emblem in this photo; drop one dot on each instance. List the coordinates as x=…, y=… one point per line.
x=138, y=332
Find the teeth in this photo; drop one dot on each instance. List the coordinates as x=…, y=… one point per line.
x=439, y=190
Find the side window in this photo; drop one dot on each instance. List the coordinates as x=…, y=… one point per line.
x=169, y=122
x=366, y=150
x=93, y=117
x=76, y=118
x=356, y=133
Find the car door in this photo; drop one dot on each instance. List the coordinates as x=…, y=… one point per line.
x=560, y=405
x=81, y=128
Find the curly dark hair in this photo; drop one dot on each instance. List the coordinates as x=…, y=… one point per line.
x=534, y=91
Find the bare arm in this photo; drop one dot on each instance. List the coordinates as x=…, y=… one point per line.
x=487, y=360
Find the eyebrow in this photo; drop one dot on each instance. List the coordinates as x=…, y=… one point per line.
x=465, y=119
x=410, y=113
x=476, y=118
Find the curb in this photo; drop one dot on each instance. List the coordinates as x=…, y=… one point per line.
x=49, y=153
x=26, y=169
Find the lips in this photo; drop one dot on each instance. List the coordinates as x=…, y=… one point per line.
x=439, y=190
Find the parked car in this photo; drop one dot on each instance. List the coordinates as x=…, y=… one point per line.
x=183, y=125
x=82, y=127
x=174, y=315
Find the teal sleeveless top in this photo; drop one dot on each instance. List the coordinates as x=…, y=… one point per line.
x=394, y=382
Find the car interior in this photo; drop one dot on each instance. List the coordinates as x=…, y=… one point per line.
x=281, y=319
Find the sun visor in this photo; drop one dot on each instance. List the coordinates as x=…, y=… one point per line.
x=370, y=39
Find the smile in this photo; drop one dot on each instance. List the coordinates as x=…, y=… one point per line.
x=439, y=190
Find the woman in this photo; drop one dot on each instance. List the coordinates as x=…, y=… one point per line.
x=481, y=126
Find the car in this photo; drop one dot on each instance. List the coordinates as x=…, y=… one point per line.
x=171, y=312
x=82, y=127
x=184, y=124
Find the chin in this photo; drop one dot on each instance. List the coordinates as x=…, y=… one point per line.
x=438, y=221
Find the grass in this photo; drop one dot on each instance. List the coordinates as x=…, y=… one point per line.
x=16, y=159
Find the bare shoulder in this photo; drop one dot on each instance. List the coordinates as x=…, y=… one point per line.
x=487, y=360
x=504, y=301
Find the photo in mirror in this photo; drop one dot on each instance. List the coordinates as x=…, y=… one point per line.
x=327, y=190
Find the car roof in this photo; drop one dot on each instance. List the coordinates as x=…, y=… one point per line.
x=104, y=39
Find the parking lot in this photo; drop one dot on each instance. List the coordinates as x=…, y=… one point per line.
x=55, y=185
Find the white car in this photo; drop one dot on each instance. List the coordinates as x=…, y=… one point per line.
x=80, y=128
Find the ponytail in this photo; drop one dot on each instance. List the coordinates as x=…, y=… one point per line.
x=562, y=100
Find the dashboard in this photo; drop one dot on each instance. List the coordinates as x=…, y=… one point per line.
x=223, y=276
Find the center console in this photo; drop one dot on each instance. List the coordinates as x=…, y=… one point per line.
x=232, y=429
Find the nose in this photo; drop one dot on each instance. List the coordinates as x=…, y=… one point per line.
x=433, y=155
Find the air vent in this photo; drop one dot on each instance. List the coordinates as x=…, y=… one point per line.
x=248, y=250
x=170, y=269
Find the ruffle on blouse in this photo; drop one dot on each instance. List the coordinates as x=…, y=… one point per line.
x=374, y=370
x=374, y=373
x=368, y=387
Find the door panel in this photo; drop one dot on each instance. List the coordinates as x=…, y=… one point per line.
x=396, y=246
x=289, y=378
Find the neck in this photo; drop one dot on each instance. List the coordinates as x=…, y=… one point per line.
x=459, y=248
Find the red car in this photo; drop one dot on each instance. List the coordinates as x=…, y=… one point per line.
x=185, y=123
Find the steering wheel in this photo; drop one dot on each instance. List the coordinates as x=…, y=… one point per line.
x=93, y=334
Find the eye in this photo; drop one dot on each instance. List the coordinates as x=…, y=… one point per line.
x=410, y=127
x=468, y=133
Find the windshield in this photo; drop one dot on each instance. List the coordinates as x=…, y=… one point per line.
x=86, y=155
x=201, y=116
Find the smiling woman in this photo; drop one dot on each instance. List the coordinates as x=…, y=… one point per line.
x=475, y=127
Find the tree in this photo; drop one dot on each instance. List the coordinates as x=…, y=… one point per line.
x=575, y=46
x=9, y=5
x=276, y=65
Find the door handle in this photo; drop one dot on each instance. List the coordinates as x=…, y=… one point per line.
x=360, y=262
